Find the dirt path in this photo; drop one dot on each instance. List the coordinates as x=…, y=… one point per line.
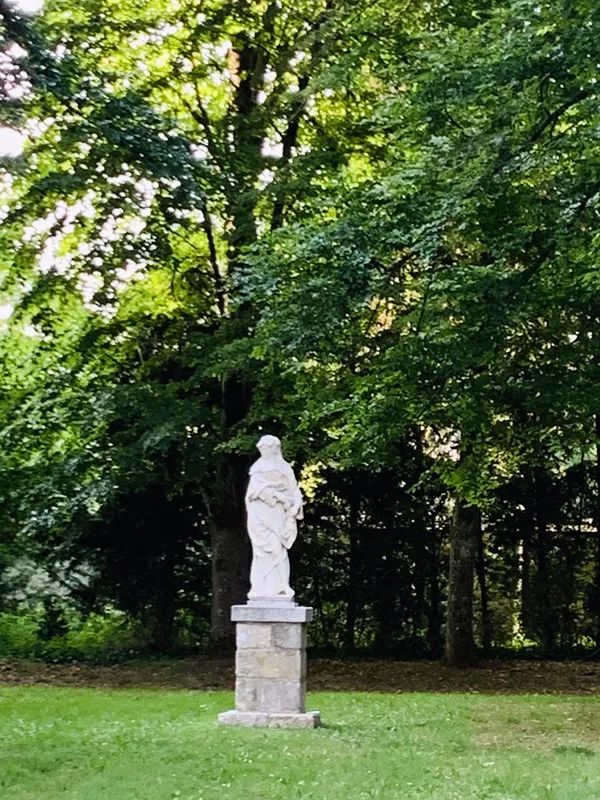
x=492, y=677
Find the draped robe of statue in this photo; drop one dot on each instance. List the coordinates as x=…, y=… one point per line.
x=273, y=503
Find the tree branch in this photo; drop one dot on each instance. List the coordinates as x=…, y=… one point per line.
x=214, y=262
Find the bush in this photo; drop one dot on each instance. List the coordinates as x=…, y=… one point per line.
x=19, y=634
x=109, y=636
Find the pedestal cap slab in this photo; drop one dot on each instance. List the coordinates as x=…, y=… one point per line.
x=278, y=601
x=271, y=613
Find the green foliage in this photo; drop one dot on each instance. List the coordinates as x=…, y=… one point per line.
x=104, y=637
x=18, y=635
x=368, y=228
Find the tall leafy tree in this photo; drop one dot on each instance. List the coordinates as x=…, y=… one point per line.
x=462, y=272
x=367, y=227
x=163, y=142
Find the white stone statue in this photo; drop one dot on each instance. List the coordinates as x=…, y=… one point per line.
x=273, y=503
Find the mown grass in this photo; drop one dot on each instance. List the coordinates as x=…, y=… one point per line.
x=95, y=744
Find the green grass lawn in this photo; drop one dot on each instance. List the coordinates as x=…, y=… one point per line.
x=94, y=744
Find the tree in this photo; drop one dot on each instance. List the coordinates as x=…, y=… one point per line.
x=456, y=265
x=368, y=228
x=163, y=144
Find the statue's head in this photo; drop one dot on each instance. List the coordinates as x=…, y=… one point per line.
x=269, y=445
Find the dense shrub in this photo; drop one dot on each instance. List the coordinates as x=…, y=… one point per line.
x=98, y=637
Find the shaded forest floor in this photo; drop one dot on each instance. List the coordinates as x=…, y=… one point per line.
x=491, y=677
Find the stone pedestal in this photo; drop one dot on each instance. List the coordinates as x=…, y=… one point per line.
x=270, y=666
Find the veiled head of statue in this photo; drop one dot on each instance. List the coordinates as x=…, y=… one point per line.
x=269, y=445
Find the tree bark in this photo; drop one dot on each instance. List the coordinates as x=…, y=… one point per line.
x=386, y=604
x=486, y=633
x=596, y=601
x=542, y=546
x=165, y=602
x=419, y=582
x=227, y=514
x=353, y=563
x=230, y=552
x=525, y=567
x=230, y=570
x=434, y=608
x=460, y=647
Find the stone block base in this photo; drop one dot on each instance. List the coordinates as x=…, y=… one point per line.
x=264, y=719
x=270, y=666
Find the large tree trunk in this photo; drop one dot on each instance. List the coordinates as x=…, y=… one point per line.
x=165, y=600
x=596, y=591
x=241, y=155
x=419, y=582
x=229, y=539
x=525, y=575
x=353, y=566
x=386, y=605
x=547, y=623
x=464, y=536
x=486, y=632
x=434, y=607
x=230, y=553
x=230, y=569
